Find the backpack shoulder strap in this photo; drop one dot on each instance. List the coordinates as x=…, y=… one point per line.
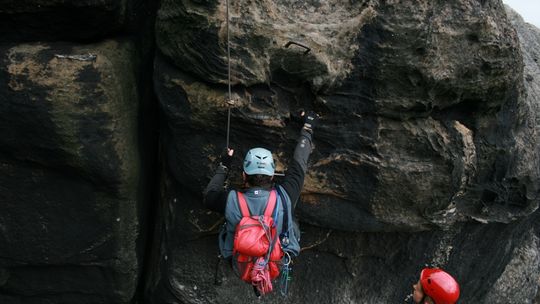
x=271, y=203
x=285, y=224
x=244, y=209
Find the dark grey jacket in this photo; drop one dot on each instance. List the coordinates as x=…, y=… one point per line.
x=225, y=201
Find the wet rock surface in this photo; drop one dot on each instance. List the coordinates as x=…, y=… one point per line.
x=426, y=153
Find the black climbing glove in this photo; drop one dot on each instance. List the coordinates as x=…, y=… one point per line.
x=310, y=121
x=226, y=159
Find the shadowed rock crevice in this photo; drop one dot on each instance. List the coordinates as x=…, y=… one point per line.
x=68, y=20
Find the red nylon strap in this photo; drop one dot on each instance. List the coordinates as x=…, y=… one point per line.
x=243, y=204
x=270, y=204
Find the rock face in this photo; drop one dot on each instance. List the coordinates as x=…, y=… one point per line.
x=70, y=173
x=424, y=128
x=427, y=152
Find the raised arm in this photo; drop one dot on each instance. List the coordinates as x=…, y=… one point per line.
x=294, y=177
x=215, y=195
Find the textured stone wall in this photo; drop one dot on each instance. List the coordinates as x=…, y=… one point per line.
x=427, y=150
x=73, y=161
x=425, y=154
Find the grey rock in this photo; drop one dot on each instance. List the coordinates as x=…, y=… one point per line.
x=429, y=126
x=426, y=153
x=194, y=35
x=69, y=173
x=517, y=283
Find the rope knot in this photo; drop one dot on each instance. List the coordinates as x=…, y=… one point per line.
x=260, y=276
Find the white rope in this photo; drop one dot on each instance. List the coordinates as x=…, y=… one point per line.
x=229, y=75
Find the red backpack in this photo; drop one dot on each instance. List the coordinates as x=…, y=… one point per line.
x=257, y=250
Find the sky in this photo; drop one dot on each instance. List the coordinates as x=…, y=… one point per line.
x=528, y=9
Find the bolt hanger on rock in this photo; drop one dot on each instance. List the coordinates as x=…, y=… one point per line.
x=300, y=45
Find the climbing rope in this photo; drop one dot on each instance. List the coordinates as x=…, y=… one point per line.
x=229, y=101
x=260, y=276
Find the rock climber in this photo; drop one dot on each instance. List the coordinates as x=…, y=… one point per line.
x=258, y=178
x=435, y=286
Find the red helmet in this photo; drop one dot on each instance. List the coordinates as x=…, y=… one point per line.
x=439, y=285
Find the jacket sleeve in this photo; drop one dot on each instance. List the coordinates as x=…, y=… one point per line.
x=232, y=218
x=215, y=195
x=294, y=177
